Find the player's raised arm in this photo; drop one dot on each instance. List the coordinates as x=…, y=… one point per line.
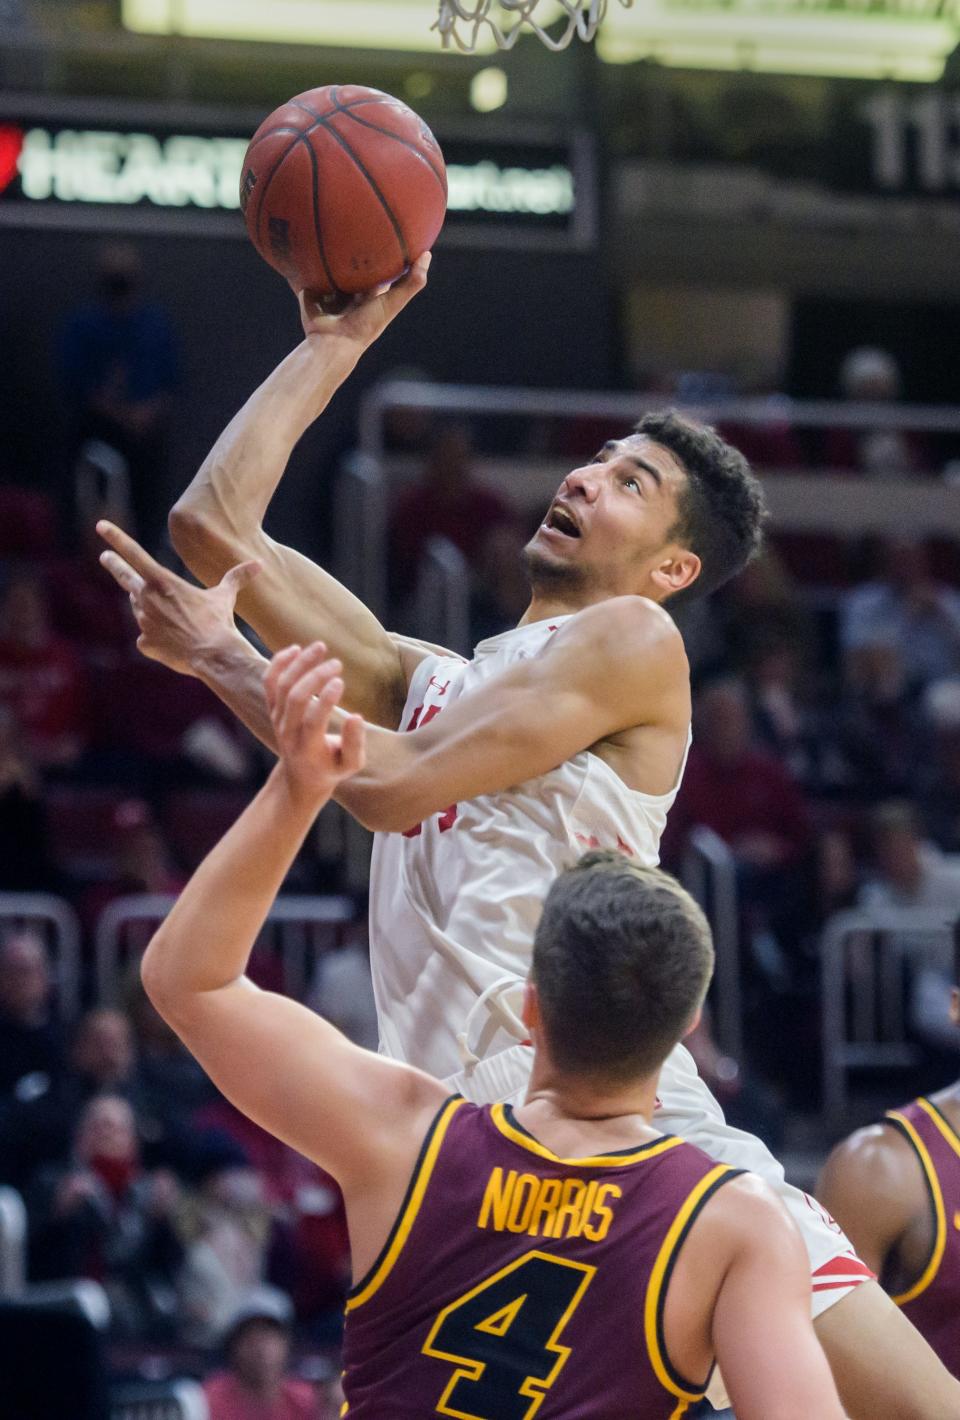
x=763, y=1338
x=218, y=521
x=278, y=1062
x=611, y=669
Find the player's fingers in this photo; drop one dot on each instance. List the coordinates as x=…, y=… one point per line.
x=310, y=699
x=353, y=744
x=407, y=287
x=234, y=581
x=121, y=573
x=271, y=675
x=304, y=660
x=130, y=550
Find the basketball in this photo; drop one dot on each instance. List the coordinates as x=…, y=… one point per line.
x=342, y=188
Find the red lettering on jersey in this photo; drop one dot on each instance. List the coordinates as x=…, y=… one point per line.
x=441, y=689
x=625, y=847
x=591, y=842
x=415, y=722
x=449, y=816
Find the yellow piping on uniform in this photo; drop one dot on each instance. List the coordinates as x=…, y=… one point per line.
x=940, y=1222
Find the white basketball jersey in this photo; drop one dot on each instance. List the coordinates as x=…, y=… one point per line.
x=454, y=902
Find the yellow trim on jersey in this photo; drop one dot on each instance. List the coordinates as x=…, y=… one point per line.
x=407, y=1218
x=940, y=1221
x=665, y=1256
x=944, y=1125
x=609, y=1161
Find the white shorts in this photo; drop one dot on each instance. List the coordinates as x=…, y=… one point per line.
x=686, y=1107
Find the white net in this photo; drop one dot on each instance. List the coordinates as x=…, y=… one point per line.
x=461, y=22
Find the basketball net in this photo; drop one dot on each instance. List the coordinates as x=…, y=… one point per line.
x=460, y=21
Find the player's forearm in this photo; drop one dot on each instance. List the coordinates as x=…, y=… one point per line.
x=206, y=940
x=233, y=670
x=223, y=508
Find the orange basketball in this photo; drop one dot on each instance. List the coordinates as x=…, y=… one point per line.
x=343, y=188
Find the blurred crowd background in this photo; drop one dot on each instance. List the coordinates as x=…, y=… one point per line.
x=817, y=332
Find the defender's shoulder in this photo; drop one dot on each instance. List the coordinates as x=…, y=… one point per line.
x=875, y=1159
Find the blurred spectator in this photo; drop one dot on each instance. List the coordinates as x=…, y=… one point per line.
x=902, y=631
x=143, y=861
x=87, y=606
x=166, y=1070
x=226, y=1227
x=187, y=734
x=757, y=807
x=255, y=1384
x=31, y=1039
x=342, y=992
x=910, y=872
x=104, y=1217
x=940, y=767
x=447, y=501
x=871, y=376
x=41, y=676
x=120, y=369
x=740, y=791
x=501, y=592
x=24, y=846
x=101, y=1057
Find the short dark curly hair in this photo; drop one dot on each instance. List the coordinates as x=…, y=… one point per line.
x=722, y=508
x=622, y=958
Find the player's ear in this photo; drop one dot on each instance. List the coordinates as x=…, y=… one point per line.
x=676, y=571
x=694, y=1022
x=530, y=1010
x=955, y=1005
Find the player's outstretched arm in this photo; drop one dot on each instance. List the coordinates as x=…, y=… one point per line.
x=218, y=521
x=763, y=1338
x=356, y=1114
x=873, y=1186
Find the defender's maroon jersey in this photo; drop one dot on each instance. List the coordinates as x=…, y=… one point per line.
x=933, y=1302
x=516, y=1283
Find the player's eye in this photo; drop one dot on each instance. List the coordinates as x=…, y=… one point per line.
x=631, y=481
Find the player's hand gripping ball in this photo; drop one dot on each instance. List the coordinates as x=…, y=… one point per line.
x=342, y=189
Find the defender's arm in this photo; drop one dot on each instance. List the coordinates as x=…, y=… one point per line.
x=218, y=521
x=353, y=1112
x=873, y=1186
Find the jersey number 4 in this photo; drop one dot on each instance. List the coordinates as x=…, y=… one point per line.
x=503, y=1338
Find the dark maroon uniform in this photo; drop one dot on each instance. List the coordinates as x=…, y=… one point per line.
x=933, y=1301
x=516, y=1283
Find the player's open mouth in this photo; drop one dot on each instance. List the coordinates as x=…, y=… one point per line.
x=559, y=520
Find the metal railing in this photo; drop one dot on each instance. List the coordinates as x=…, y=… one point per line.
x=864, y=984
x=160, y=1400
x=626, y=408
x=442, y=603
x=297, y=928
x=710, y=876
x=57, y=924
x=896, y=503
x=13, y=1243
x=360, y=530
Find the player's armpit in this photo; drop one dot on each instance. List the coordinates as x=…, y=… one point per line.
x=763, y=1338
x=873, y=1186
x=611, y=668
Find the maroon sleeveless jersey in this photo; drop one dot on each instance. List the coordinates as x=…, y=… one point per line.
x=933, y=1301
x=515, y=1283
